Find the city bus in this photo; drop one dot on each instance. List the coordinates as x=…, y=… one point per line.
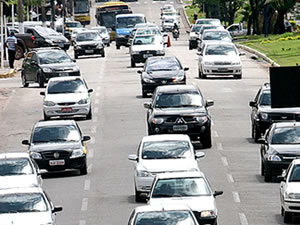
x=106, y=15
x=82, y=11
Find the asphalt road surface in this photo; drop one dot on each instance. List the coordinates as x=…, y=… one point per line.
x=106, y=195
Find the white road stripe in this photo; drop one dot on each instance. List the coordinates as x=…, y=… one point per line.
x=243, y=219
x=87, y=185
x=215, y=133
x=219, y=146
x=212, y=123
x=96, y=110
x=236, y=197
x=82, y=222
x=84, y=204
x=90, y=153
x=230, y=178
x=90, y=168
x=224, y=161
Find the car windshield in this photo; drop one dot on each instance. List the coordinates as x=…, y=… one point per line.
x=129, y=22
x=143, y=40
x=22, y=203
x=169, y=20
x=18, y=166
x=207, y=28
x=265, y=99
x=100, y=30
x=73, y=25
x=162, y=65
x=166, y=150
x=47, y=32
x=216, y=35
x=92, y=36
x=295, y=174
x=220, y=50
x=196, y=29
x=51, y=57
x=180, y=187
x=213, y=22
x=168, y=100
x=66, y=86
x=286, y=135
x=64, y=133
x=147, y=31
x=165, y=218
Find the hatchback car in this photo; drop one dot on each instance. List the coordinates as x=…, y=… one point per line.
x=58, y=145
x=219, y=59
x=159, y=154
x=88, y=43
x=279, y=146
x=42, y=64
x=160, y=71
x=67, y=96
x=103, y=33
x=163, y=214
x=180, y=109
x=21, y=205
x=188, y=188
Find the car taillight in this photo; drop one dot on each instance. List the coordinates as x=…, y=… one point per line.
x=32, y=37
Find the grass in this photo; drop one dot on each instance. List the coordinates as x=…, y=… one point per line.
x=190, y=9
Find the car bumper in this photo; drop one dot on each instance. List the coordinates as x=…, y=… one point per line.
x=150, y=87
x=292, y=205
x=64, y=46
x=221, y=70
x=94, y=51
x=143, y=184
x=141, y=58
x=106, y=41
x=67, y=110
x=60, y=74
x=122, y=41
x=274, y=168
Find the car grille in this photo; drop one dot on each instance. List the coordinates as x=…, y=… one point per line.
x=163, y=81
x=87, y=47
x=153, y=52
x=184, y=119
x=62, y=69
x=77, y=73
x=284, y=116
x=222, y=71
x=222, y=63
x=50, y=154
x=294, y=207
x=197, y=215
x=288, y=157
x=66, y=103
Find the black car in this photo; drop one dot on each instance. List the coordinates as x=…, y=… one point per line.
x=279, y=147
x=88, y=43
x=262, y=115
x=180, y=109
x=41, y=64
x=161, y=71
x=47, y=37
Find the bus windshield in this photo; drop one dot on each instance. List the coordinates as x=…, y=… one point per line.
x=81, y=6
x=129, y=22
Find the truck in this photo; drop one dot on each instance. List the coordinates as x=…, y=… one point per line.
x=236, y=29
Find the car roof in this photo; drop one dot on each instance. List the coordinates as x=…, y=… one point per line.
x=166, y=137
x=21, y=190
x=176, y=88
x=286, y=124
x=216, y=42
x=154, y=58
x=18, y=181
x=144, y=35
x=65, y=78
x=162, y=207
x=55, y=123
x=13, y=155
x=207, y=19
x=130, y=15
x=296, y=162
x=185, y=174
x=46, y=49
x=89, y=31
x=215, y=30
x=98, y=27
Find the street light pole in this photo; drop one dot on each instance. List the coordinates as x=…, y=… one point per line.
x=20, y=16
x=43, y=5
x=2, y=38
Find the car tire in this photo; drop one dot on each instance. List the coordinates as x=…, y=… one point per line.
x=132, y=63
x=118, y=46
x=41, y=81
x=144, y=93
x=19, y=52
x=103, y=53
x=24, y=81
x=238, y=76
x=282, y=211
x=75, y=55
x=150, y=132
x=83, y=169
x=190, y=46
x=255, y=133
x=287, y=217
x=108, y=44
x=267, y=177
x=206, y=139
x=46, y=117
x=262, y=168
x=90, y=114
x=138, y=196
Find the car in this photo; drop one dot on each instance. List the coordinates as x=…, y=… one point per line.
x=141, y=26
x=168, y=14
x=161, y=70
x=75, y=32
x=70, y=26
x=161, y=214
x=67, y=96
x=162, y=153
x=88, y=43
x=180, y=109
x=290, y=191
x=205, y=27
x=194, y=33
x=211, y=21
x=168, y=23
x=167, y=8
x=279, y=146
x=211, y=35
x=191, y=189
x=145, y=46
x=47, y=37
x=58, y=145
x=219, y=59
x=42, y=64
x=104, y=34
x=21, y=205
x=17, y=170
x=151, y=29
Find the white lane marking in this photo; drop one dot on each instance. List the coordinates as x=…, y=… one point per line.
x=215, y=133
x=96, y=110
x=94, y=129
x=84, y=204
x=230, y=178
x=82, y=222
x=96, y=101
x=219, y=146
x=236, y=197
x=90, y=153
x=243, y=219
x=228, y=90
x=90, y=168
x=224, y=161
x=87, y=185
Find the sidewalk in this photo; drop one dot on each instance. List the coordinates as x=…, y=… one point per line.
x=7, y=72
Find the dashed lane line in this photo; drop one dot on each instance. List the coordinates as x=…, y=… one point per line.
x=215, y=134
x=236, y=197
x=95, y=119
x=87, y=185
x=230, y=178
x=224, y=161
x=243, y=219
x=94, y=129
x=84, y=204
x=219, y=146
x=92, y=141
x=90, y=168
x=82, y=222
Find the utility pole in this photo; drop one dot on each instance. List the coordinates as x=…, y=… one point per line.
x=43, y=4
x=52, y=15
x=13, y=14
x=72, y=9
x=2, y=36
x=64, y=16
x=20, y=16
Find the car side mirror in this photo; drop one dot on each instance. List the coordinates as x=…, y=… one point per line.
x=42, y=93
x=90, y=90
x=165, y=35
x=133, y=157
x=25, y=142
x=145, y=196
x=147, y=105
x=186, y=68
x=74, y=60
x=262, y=141
x=199, y=53
x=199, y=155
x=139, y=71
x=57, y=209
x=216, y=193
x=209, y=103
x=252, y=103
x=242, y=53
x=86, y=138
x=188, y=31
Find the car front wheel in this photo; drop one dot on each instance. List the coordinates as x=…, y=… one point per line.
x=41, y=80
x=132, y=63
x=83, y=169
x=138, y=196
x=206, y=139
x=24, y=81
x=287, y=217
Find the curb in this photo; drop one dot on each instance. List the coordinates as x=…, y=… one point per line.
x=185, y=16
x=259, y=54
x=10, y=73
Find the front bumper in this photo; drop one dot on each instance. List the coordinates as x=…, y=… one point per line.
x=60, y=74
x=292, y=205
x=122, y=41
x=143, y=184
x=94, y=51
x=150, y=87
x=69, y=110
x=274, y=168
x=62, y=45
x=143, y=56
x=221, y=70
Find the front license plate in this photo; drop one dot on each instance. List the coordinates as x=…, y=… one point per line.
x=89, y=51
x=60, y=162
x=147, y=56
x=180, y=127
x=66, y=110
x=222, y=69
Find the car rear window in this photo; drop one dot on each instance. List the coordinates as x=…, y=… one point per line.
x=17, y=166
x=286, y=135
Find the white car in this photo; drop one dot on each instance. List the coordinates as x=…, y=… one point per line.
x=212, y=35
x=67, y=96
x=103, y=33
x=76, y=31
x=188, y=188
x=221, y=59
x=210, y=21
x=159, y=154
x=26, y=206
x=168, y=23
x=194, y=33
x=290, y=191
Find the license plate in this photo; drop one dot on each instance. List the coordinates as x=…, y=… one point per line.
x=180, y=127
x=89, y=51
x=61, y=74
x=66, y=110
x=60, y=162
x=147, y=56
x=222, y=69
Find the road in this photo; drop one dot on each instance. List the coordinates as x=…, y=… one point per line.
x=106, y=194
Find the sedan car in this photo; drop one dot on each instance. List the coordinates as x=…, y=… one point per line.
x=88, y=43
x=194, y=33
x=188, y=188
x=160, y=71
x=211, y=21
x=163, y=214
x=67, y=96
x=279, y=146
x=21, y=205
x=42, y=64
x=180, y=109
x=209, y=36
x=103, y=33
x=221, y=59
x=290, y=191
x=58, y=145
x=162, y=153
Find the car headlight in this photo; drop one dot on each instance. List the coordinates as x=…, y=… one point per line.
x=177, y=79
x=76, y=153
x=143, y=173
x=35, y=155
x=83, y=101
x=208, y=63
x=120, y=36
x=291, y=195
x=273, y=158
x=49, y=103
x=147, y=80
x=135, y=52
x=157, y=120
x=236, y=63
x=264, y=116
x=47, y=70
x=160, y=52
x=207, y=213
x=99, y=46
x=193, y=37
x=201, y=119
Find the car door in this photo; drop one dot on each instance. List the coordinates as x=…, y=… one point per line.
x=255, y=107
x=34, y=67
x=265, y=146
x=26, y=66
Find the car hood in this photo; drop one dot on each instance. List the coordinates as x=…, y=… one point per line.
x=69, y=97
x=36, y=218
x=223, y=58
x=179, y=111
x=293, y=187
x=147, y=47
x=195, y=203
x=69, y=66
x=169, y=165
x=163, y=74
x=94, y=43
x=123, y=31
x=193, y=34
x=293, y=149
x=16, y=181
x=268, y=109
x=52, y=146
